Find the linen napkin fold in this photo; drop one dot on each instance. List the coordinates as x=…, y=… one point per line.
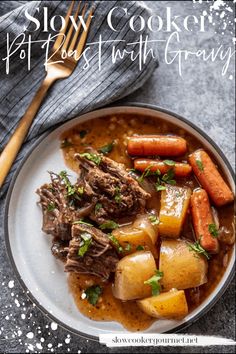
x=84, y=90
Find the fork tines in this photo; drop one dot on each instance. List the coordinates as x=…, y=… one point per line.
x=69, y=41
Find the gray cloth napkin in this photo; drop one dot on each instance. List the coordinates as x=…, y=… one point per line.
x=84, y=90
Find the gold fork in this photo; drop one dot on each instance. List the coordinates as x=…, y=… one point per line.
x=55, y=71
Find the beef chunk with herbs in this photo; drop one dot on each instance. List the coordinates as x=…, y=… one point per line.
x=62, y=204
x=90, y=252
x=110, y=187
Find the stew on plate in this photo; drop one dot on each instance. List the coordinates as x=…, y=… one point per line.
x=147, y=229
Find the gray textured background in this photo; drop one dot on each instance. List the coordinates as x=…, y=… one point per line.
x=206, y=98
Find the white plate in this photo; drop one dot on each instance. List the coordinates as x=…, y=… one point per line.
x=29, y=248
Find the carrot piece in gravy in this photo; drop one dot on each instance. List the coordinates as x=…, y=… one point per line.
x=162, y=145
x=210, y=178
x=203, y=220
x=180, y=169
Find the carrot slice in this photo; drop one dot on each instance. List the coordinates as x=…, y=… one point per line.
x=202, y=218
x=161, y=145
x=180, y=169
x=210, y=178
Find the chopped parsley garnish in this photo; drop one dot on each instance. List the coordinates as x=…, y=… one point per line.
x=196, y=247
x=70, y=189
x=109, y=224
x=160, y=187
x=166, y=178
x=154, y=283
x=80, y=190
x=98, y=206
x=81, y=222
x=154, y=219
x=106, y=148
x=50, y=188
x=82, y=133
x=213, y=230
x=93, y=293
x=169, y=162
x=117, y=195
x=65, y=143
x=85, y=243
x=63, y=175
x=116, y=243
x=139, y=248
x=51, y=206
x=147, y=172
x=200, y=165
x=92, y=157
x=128, y=247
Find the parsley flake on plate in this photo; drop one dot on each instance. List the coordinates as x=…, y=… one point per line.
x=154, y=219
x=92, y=157
x=109, y=224
x=196, y=247
x=169, y=162
x=154, y=282
x=167, y=178
x=92, y=294
x=51, y=206
x=85, y=243
x=213, y=230
x=81, y=222
x=200, y=165
x=147, y=172
x=98, y=206
x=117, y=196
x=116, y=243
x=106, y=148
x=70, y=188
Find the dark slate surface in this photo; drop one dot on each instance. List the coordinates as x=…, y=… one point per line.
x=206, y=98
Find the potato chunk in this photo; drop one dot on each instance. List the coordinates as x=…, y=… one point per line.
x=174, y=206
x=131, y=273
x=181, y=267
x=141, y=234
x=133, y=239
x=170, y=305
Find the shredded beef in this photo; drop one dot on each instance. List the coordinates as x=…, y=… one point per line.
x=111, y=187
x=60, y=249
x=59, y=209
x=100, y=258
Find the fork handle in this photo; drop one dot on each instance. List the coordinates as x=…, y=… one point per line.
x=13, y=146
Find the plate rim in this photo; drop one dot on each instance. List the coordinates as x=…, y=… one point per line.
x=8, y=198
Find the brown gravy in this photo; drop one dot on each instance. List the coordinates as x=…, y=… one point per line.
x=108, y=308
x=98, y=133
